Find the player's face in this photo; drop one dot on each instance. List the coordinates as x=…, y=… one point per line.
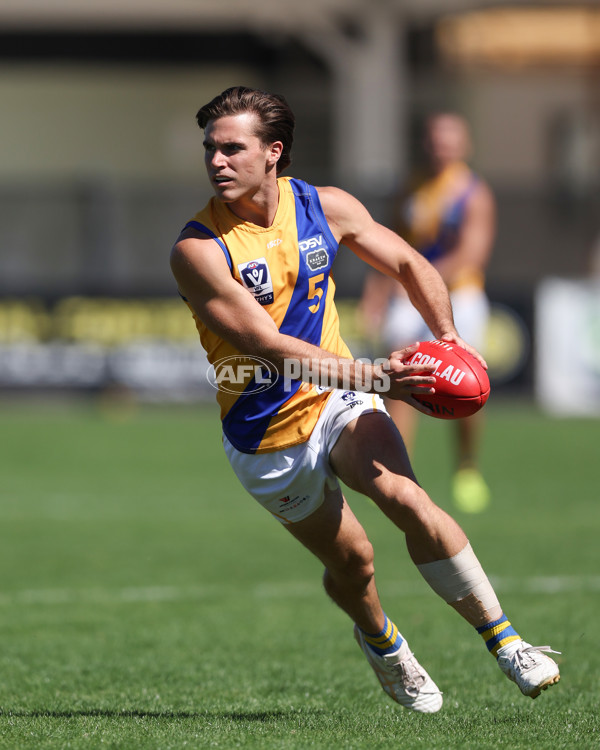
x=237, y=161
x=446, y=139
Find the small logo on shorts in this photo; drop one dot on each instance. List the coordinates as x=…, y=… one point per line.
x=288, y=503
x=349, y=398
x=352, y=404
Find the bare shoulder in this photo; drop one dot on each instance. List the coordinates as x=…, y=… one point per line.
x=191, y=246
x=482, y=195
x=480, y=210
x=336, y=201
x=345, y=214
x=197, y=258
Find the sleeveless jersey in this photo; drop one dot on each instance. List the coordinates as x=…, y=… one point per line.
x=434, y=212
x=287, y=267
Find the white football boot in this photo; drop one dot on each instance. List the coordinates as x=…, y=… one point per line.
x=403, y=678
x=526, y=665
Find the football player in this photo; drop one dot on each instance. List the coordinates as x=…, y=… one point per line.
x=254, y=267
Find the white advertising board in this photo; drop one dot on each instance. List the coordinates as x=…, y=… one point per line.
x=567, y=351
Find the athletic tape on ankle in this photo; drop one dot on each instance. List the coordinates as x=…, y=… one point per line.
x=461, y=577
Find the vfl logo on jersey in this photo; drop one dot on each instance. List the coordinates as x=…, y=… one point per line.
x=257, y=278
x=314, y=250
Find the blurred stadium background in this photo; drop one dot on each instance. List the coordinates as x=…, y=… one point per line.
x=102, y=164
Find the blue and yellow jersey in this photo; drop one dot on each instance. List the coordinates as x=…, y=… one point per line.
x=433, y=214
x=287, y=267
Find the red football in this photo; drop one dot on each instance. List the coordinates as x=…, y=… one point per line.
x=461, y=385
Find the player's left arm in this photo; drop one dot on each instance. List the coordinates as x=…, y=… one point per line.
x=475, y=239
x=386, y=251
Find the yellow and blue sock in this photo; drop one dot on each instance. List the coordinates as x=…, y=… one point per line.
x=387, y=641
x=498, y=634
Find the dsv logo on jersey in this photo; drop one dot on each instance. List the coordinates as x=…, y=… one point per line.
x=242, y=375
x=314, y=250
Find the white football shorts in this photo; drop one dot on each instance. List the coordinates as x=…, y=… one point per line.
x=404, y=324
x=290, y=483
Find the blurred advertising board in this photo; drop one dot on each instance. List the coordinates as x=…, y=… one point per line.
x=149, y=346
x=567, y=352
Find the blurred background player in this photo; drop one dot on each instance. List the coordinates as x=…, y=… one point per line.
x=448, y=214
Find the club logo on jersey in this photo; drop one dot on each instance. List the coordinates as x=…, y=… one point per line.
x=257, y=278
x=314, y=251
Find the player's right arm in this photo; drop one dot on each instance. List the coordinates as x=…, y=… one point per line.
x=220, y=302
x=231, y=312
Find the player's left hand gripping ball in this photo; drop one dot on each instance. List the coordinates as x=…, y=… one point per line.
x=461, y=385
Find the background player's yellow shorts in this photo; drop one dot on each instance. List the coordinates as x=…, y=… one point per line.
x=290, y=483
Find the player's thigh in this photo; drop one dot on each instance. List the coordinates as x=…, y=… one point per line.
x=334, y=534
x=371, y=458
x=367, y=448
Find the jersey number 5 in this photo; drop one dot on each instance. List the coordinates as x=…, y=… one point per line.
x=315, y=292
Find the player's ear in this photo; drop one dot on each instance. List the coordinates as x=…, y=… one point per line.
x=275, y=150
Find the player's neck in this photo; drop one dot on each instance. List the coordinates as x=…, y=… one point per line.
x=259, y=207
x=440, y=168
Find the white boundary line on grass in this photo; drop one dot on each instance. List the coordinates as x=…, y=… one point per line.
x=545, y=585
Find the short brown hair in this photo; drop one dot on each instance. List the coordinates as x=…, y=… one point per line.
x=277, y=120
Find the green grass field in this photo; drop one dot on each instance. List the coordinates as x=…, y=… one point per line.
x=147, y=602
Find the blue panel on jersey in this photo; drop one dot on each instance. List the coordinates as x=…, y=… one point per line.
x=450, y=224
x=244, y=428
x=317, y=248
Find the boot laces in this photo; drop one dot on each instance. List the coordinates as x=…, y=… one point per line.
x=410, y=675
x=525, y=657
